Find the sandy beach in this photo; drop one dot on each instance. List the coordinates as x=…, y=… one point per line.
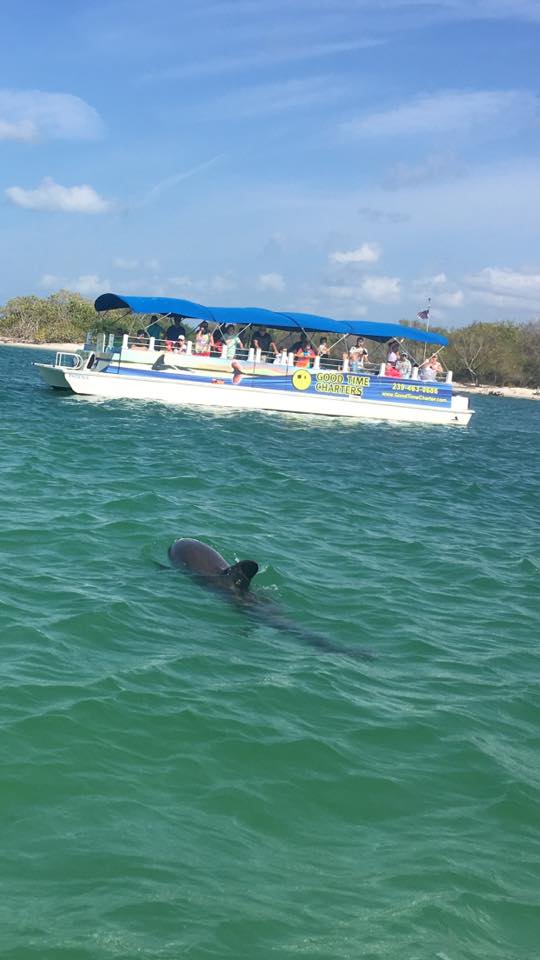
x=66, y=347
x=486, y=389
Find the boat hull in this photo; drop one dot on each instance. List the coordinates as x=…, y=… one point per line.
x=53, y=376
x=227, y=395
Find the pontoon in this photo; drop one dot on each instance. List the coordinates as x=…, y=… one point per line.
x=125, y=367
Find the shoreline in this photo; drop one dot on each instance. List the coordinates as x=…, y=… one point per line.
x=65, y=347
x=484, y=389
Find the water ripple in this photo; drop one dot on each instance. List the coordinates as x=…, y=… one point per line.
x=180, y=780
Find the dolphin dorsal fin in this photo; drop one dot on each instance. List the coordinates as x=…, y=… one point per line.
x=242, y=573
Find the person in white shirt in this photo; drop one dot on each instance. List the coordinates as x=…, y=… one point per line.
x=404, y=366
x=430, y=368
x=358, y=355
x=393, y=352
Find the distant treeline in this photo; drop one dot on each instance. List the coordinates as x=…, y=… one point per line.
x=503, y=353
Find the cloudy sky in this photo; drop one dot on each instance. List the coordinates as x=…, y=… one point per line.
x=345, y=157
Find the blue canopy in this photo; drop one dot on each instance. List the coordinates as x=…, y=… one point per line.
x=160, y=305
x=260, y=317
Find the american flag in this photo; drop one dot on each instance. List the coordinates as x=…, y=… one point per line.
x=423, y=314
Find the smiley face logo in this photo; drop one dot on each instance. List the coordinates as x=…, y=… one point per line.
x=301, y=379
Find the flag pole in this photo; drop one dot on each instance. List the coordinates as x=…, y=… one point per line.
x=424, y=315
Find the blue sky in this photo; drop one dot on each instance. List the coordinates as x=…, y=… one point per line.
x=344, y=157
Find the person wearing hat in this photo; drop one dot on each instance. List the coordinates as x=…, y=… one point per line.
x=404, y=365
x=174, y=332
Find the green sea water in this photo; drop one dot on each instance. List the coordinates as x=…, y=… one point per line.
x=179, y=780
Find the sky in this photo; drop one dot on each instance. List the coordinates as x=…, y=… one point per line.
x=352, y=158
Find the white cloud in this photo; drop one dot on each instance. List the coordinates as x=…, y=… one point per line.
x=126, y=263
x=436, y=286
x=378, y=289
x=451, y=111
x=28, y=115
x=277, y=54
x=185, y=282
x=367, y=253
x=357, y=310
x=341, y=291
x=493, y=9
x=346, y=300
x=89, y=284
x=271, y=281
x=223, y=282
x=435, y=166
x=424, y=285
x=453, y=298
x=275, y=245
x=158, y=188
x=376, y=215
x=53, y=196
x=138, y=284
x=381, y=289
x=503, y=286
x=22, y=130
x=293, y=94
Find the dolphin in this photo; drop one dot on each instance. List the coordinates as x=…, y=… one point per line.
x=208, y=565
x=209, y=568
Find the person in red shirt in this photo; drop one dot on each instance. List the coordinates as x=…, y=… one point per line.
x=391, y=370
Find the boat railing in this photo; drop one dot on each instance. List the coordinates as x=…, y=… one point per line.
x=415, y=375
x=72, y=361
x=282, y=359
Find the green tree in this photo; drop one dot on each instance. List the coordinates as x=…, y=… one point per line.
x=487, y=352
x=530, y=333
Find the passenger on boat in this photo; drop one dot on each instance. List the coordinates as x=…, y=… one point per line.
x=323, y=352
x=154, y=329
x=393, y=352
x=404, y=365
x=358, y=355
x=391, y=370
x=181, y=345
x=232, y=341
x=174, y=332
x=262, y=340
x=141, y=340
x=203, y=340
x=216, y=343
x=303, y=352
x=430, y=368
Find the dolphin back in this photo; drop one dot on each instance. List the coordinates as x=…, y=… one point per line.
x=240, y=574
x=197, y=557
x=202, y=560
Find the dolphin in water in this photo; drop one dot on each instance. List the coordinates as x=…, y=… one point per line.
x=208, y=567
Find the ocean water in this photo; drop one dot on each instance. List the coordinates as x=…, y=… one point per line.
x=180, y=780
